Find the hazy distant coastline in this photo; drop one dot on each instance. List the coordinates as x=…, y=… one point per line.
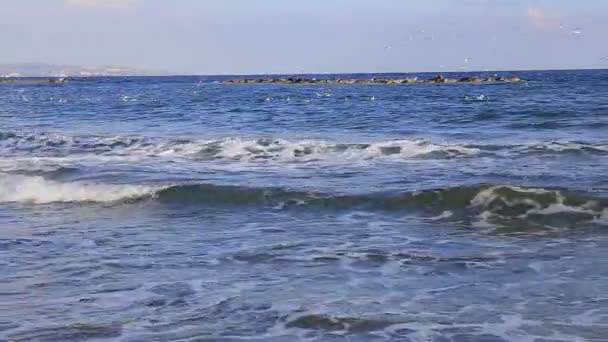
x=58, y=70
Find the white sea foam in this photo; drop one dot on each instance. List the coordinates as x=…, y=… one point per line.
x=260, y=150
x=531, y=201
x=489, y=195
x=444, y=215
x=565, y=146
x=234, y=148
x=37, y=190
x=307, y=150
x=603, y=218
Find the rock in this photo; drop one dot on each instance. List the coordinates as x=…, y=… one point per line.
x=470, y=80
x=373, y=80
x=57, y=80
x=437, y=79
x=293, y=80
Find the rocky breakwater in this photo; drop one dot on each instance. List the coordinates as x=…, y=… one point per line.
x=412, y=80
x=33, y=80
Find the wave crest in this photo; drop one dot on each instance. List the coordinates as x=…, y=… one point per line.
x=38, y=190
x=268, y=149
x=482, y=205
x=306, y=150
x=478, y=205
x=499, y=204
x=231, y=148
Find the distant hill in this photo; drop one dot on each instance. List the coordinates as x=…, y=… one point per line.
x=55, y=70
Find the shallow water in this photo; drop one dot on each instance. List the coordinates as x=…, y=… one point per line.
x=140, y=209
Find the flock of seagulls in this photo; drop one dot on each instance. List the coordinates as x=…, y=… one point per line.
x=422, y=32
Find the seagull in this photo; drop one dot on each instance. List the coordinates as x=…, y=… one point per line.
x=576, y=31
x=467, y=59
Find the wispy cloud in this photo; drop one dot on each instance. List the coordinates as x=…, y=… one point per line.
x=114, y=5
x=543, y=19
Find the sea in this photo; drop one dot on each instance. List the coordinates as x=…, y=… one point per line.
x=187, y=209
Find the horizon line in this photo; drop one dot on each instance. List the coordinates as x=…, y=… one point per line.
x=382, y=72
x=322, y=73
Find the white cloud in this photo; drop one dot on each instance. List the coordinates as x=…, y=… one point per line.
x=116, y=5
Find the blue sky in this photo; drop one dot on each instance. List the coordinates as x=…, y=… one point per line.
x=290, y=36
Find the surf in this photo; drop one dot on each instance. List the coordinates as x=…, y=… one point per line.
x=273, y=149
x=477, y=205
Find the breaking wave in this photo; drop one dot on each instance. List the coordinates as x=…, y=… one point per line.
x=231, y=148
x=477, y=205
x=38, y=190
x=490, y=202
x=267, y=149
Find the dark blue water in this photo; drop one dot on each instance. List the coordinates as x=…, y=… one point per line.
x=181, y=208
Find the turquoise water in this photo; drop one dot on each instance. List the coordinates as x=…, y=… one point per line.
x=181, y=208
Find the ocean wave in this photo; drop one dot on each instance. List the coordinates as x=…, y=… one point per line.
x=503, y=200
x=230, y=148
x=38, y=190
x=486, y=206
x=265, y=150
x=517, y=206
x=479, y=205
x=567, y=147
x=309, y=150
